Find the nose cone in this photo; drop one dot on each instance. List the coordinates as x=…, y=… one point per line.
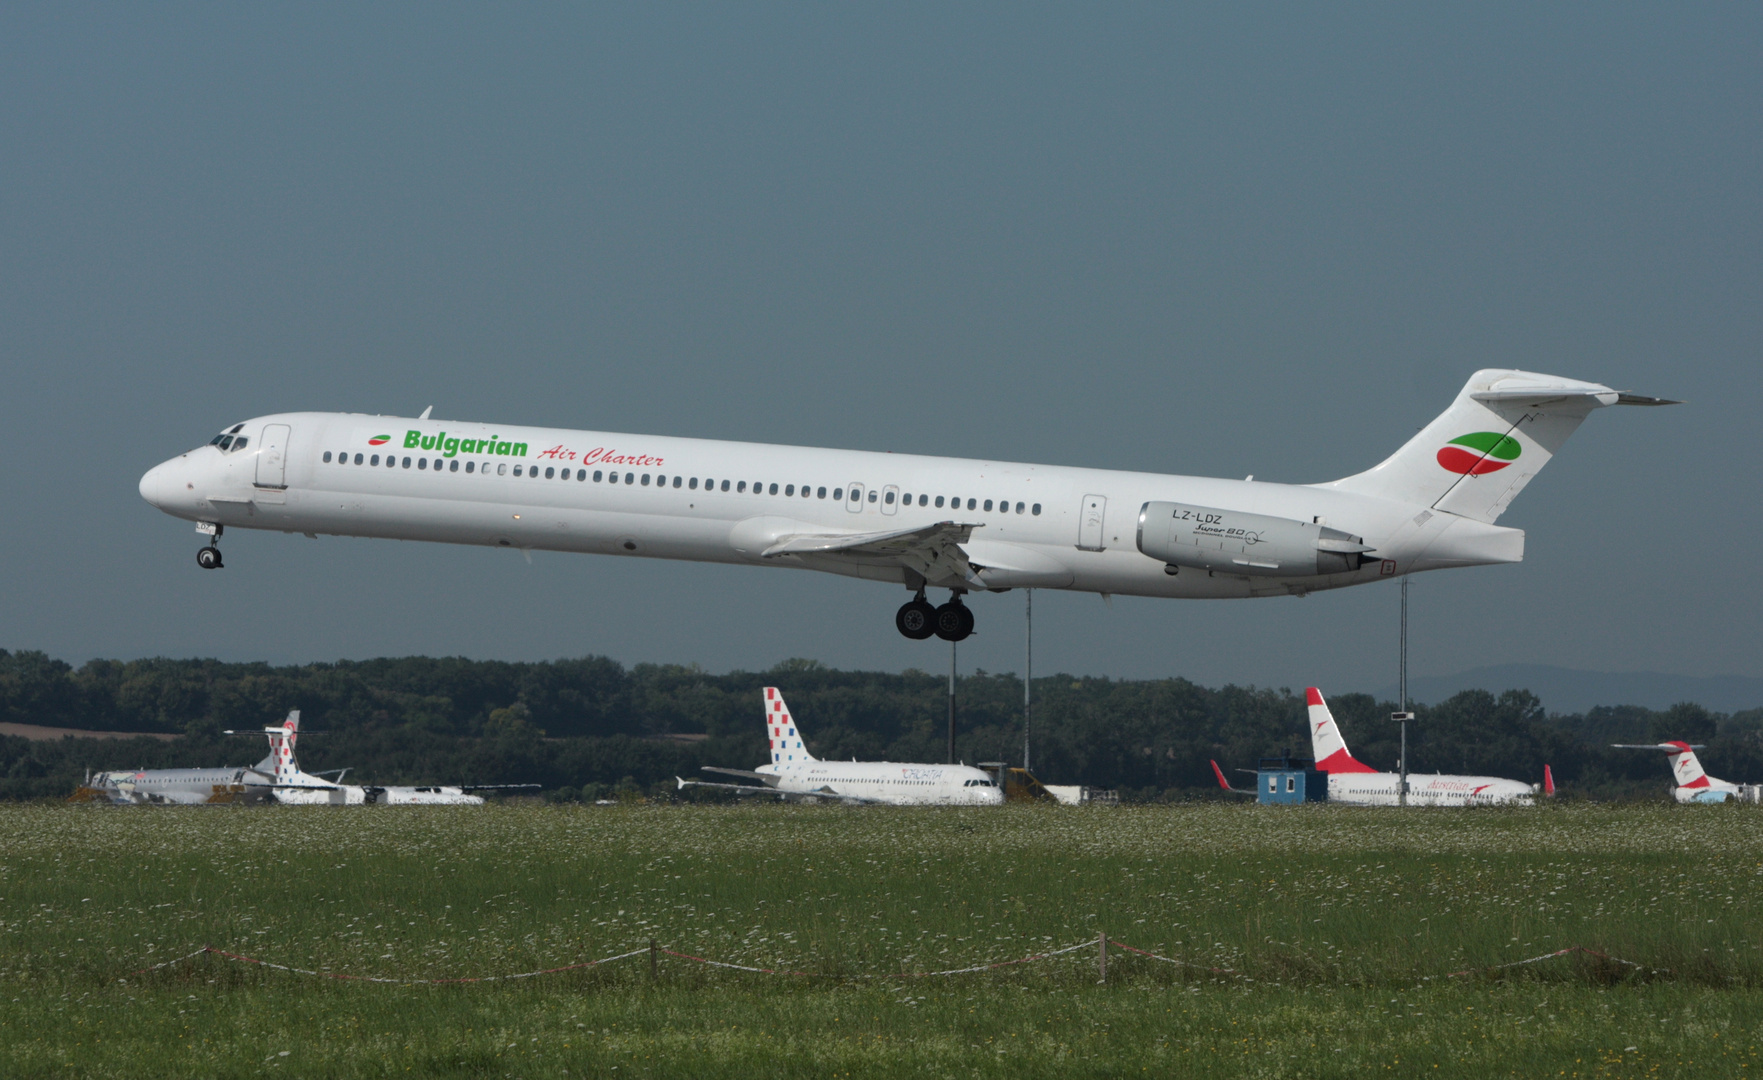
x=991, y=797
x=163, y=485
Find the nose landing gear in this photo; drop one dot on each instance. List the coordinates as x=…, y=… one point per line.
x=208, y=558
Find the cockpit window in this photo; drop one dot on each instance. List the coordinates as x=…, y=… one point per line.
x=226, y=442
x=238, y=443
x=236, y=428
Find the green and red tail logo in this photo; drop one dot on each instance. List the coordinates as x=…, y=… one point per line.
x=1479, y=453
x=379, y=440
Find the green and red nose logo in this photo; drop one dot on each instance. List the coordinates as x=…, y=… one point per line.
x=1479, y=453
x=379, y=440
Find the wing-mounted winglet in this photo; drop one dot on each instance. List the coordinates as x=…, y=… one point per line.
x=1225, y=784
x=931, y=551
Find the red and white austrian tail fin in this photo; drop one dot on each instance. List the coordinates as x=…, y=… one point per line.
x=1326, y=744
x=780, y=728
x=1685, y=766
x=1548, y=781
x=281, y=748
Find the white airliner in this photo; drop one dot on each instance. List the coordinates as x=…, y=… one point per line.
x=917, y=521
x=795, y=773
x=1694, y=785
x=1355, y=783
x=294, y=786
x=178, y=787
x=277, y=778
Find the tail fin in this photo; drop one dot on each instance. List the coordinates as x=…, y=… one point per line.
x=1548, y=781
x=1685, y=765
x=1326, y=744
x=1476, y=457
x=780, y=728
x=281, y=748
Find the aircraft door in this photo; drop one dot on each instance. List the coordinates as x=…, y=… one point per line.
x=1089, y=528
x=890, y=498
x=272, y=457
x=854, y=498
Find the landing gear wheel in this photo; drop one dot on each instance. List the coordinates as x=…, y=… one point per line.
x=954, y=621
x=208, y=558
x=916, y=619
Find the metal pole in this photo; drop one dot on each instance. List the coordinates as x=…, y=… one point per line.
x=1402, y=691
x=1028, y=666
x=951, y=758
x=1402, y=670
x=1102, y=957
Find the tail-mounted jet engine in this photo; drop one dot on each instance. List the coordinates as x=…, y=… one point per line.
x=1230, y=541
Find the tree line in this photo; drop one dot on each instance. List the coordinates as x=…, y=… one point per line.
x=591, y=727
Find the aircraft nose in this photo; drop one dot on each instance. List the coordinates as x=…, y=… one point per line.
x=162, y=485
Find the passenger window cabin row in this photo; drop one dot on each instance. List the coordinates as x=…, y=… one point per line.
x=739, y=487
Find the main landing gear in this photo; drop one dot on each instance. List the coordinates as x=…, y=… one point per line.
x=208, y=558
x=918, y=620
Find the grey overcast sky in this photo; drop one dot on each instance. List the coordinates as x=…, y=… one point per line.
x=1215, y=240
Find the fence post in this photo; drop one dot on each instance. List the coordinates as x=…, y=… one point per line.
x=654, y=960
x=1101, y=957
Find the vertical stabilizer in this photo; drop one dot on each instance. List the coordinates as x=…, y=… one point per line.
x=780, y=729
x=1476, y=457
x=1685, y=765
x=1326, y=743
x=1548, y=781
x=281, y=748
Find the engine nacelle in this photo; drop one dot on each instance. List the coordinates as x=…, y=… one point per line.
x=1207, y=538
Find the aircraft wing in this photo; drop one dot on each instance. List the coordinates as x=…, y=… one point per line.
x=787, y=796
x=1225, y=784
x=750, y=774
x=933, y=552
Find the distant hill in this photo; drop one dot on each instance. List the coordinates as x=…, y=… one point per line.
x=1566, y=690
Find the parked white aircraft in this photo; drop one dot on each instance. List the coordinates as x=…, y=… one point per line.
x=1355, y=783
x=181, y=787
x=277, y=778
x=294, y=786
x=795, y=773
x=1694, y=785
x=963, y=525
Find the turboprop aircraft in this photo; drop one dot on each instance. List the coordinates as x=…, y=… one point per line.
x=794, y=773
x=295, y=786
x=1355, y=783
x=924, y=522
x=1694, y=785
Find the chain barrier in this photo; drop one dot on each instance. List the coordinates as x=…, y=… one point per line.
x=1571, y=949
x=652, y=951
x=222, y=953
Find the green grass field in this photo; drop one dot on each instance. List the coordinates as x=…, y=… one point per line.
x=1338, y=928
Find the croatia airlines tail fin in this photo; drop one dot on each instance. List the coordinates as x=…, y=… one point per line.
x=780, y=728
x=281, y=762
x=1476, y=457
x=1326, y=744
